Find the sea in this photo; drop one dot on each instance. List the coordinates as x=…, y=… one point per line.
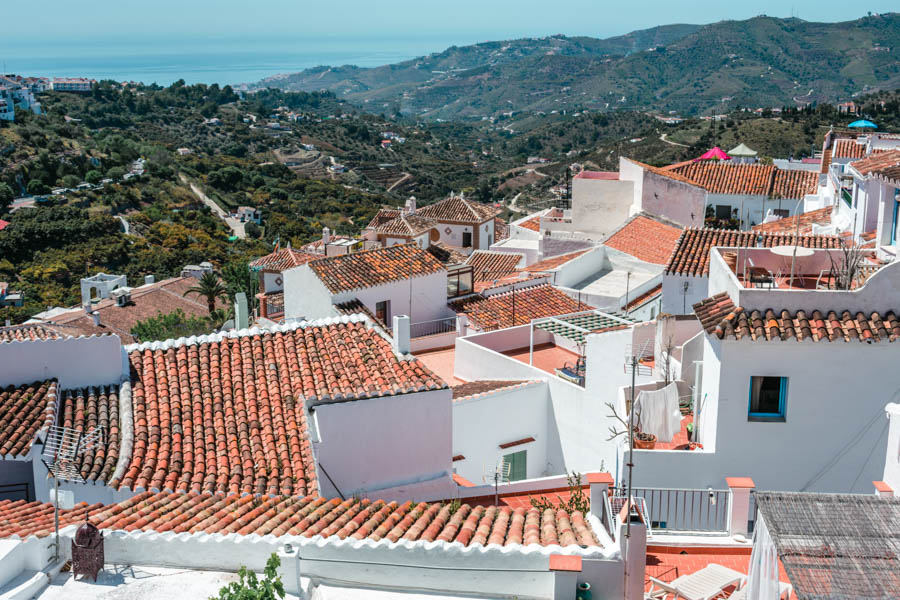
x=222, y=61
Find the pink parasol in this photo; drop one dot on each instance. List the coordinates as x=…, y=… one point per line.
x=714, y=154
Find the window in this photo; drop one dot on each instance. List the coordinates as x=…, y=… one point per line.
x=467, y=239
x=459, y=282
x=723, y=212
x=383, y=311
x=517, y=462
x=768, y=398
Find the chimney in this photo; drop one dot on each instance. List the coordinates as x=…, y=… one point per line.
x=148, y=279
x=599, y=484
x=241, y=312
x=410, y=207
x=96, y=316
x=401, y=334
x=326, y=235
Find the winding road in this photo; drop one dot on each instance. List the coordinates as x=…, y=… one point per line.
x=237, y=228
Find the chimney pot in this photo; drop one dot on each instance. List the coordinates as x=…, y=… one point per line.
x=401, y=334
x=326, y=235
x=149, y=279
x=96, y=316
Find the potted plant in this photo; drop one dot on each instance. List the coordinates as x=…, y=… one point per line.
x=690, y=432
x=644, y=441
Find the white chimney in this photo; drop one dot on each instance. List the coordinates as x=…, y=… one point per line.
x=148, y=279
x=96, y=316
x=410, y=207
x=326, y=235
x=401, y=334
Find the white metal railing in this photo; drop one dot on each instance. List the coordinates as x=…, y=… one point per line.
x=435, y=327
x=686, y=510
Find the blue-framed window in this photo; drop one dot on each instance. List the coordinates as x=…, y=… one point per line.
x=768, y=398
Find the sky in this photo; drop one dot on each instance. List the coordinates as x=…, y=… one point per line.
x=462, y=21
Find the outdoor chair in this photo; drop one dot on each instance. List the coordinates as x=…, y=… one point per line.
x=705, y=584
x=784, y=591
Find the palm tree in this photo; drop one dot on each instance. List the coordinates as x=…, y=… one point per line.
x=210, y=288
x=217, y=318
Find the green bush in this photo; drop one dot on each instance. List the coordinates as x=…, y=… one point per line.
x=251, y=587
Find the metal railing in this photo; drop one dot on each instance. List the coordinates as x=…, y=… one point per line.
x=435, y=327
x=684, y=510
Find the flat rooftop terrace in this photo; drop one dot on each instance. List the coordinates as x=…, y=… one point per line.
x=547, y=357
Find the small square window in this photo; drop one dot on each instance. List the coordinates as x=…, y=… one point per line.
x=768, y=398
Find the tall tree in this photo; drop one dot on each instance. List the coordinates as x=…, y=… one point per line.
x=210, y=287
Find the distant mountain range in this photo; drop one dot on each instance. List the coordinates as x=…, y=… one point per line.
x=692, y=69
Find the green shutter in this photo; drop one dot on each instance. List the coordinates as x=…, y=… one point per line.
x=517, y=465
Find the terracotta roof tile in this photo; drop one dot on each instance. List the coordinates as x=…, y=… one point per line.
x=646, y=238
x=29, y=332
x=793, y=183
x=875, y=163
x=650, y=294
x=848, y=148
x=720, y=317
x=374, y=267
x=448, y=255
x=532, y=224
x=355, y=307
x=228, y=415
x=488, y=265
x=555, y=262
x=535, y=302
x=407, y=225
x=383, y=216
x=721, y=178
x=478, y=388
x=516, y=277
x=281, y=260
x=821, y=216
x=459, y=210
x=691, y=255
x=501, y=229
x=24, y=411
x=310, y=517
x=86, y=409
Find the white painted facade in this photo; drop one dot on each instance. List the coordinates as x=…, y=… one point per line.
x=659, y=195
x=891, y=475
x=836, y=394
x=481, y=423
x=74, y=362
x=422, y=298
x=681, y=292
x=400, y=442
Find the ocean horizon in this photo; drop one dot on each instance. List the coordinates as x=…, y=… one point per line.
x=212, y=61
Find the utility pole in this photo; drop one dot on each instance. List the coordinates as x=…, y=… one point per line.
x=630, y=465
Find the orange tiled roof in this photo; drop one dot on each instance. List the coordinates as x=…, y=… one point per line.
x=646, y=238
x=383, y=216
x=355, y=307
x=793, y=183
x=406, y=225
x=488, y=266
x=516, y=277
x=24, y=411
x=877, y=162
x=644, y=298
x=448, y=255
x=821, y=216
x=501, y=229
x=29, y=332
x=555, y=262
x=666, y=172
x=374, y=267
x=532, y=224
x=459, y=210
x=228, y=415
x=309, y=517
x=848, y=148
x=721, y=178
x=86, y=409
x=691, y=255
x=720, y=317
x=535, y=302
x=281, y=260
x=481, y=387
x=826, y=160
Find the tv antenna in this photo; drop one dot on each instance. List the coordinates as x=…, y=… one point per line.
x=63, y=448
x=498, y=474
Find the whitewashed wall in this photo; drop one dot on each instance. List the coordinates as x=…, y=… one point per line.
x=394, y=441
x=483, y=422
x=75, y=362
x=891, y=474
x=678, y=301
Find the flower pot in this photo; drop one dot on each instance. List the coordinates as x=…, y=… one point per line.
x=584, y=592
x=644, y=441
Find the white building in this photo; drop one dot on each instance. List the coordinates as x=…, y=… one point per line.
x=72, y=84
x=398, y=280
x=772, y=373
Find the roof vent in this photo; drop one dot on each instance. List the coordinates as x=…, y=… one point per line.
x=148, y=279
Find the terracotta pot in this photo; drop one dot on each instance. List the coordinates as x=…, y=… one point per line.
x=645, y=444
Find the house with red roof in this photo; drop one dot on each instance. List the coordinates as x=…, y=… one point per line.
x=271, y=268
x=393, y=281
x=779, y=353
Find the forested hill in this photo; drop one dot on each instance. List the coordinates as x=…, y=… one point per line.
x=762, y=61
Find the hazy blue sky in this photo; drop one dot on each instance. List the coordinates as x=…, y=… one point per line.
x=151, y=21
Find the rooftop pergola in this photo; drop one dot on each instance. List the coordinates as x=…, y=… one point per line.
x=575, y=326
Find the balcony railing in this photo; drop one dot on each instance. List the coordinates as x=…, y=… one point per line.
x=684, y=510
x=426, y=328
